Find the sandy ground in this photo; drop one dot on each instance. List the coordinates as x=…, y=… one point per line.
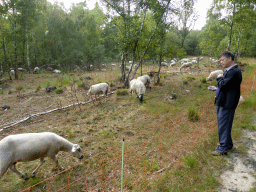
x=241, y=169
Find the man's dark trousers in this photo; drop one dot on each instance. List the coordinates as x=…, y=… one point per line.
x=225, y=118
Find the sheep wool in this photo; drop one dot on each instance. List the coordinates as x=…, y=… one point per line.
x=145, y=79
x=138, y=87
x=32, y=146
x=214, y=74
x=97, y=89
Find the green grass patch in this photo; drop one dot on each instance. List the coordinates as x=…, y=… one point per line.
x=193, y=114
x=59, y=90
x=122, y=92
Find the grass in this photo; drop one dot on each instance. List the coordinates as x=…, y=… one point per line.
x=158, y=134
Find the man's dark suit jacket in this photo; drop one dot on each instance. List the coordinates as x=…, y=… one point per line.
x=229, y=86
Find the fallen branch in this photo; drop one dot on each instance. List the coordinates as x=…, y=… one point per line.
x=50, y=111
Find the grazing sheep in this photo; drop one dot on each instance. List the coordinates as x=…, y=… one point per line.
x=201, y=58
x=32, y=146
x=12, y=71
x=56, y=71
x=164, y=64
x=184, y=60
x=138, y=87
x=214, y=74
x=97, y=89
x=21, y=69
x=145, y=79
x=36, y=69
x=126, y=67
x=113, y=64
x=186, y=65
x=173, y=64
x=194, y=61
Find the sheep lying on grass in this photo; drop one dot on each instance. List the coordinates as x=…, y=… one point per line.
x=97, y=89
x=138, y=87
x=213, y=75
x=32, y=146
x=145, y=79
x=186, y=65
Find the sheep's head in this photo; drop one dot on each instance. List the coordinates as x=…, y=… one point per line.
x=88, y=93
x=140, y=98
x=76, y=151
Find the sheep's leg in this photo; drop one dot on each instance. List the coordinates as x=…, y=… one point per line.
x=13, y=168
x=3, y=169
x=35, y=171
x=57, y=163
x=92, y=100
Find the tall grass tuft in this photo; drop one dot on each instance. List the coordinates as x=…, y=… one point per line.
x=122, y=92
x=193, y=114
x=203, y=80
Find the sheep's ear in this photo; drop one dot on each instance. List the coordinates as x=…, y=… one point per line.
x=75, y=148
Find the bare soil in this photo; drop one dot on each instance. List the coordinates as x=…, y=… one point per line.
x=241, y=169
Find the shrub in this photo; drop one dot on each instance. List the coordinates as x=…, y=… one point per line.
x=190, y=161
x=122, y=92
x=2, y=91
x=59, y=90
x=193, y=114
x=185, y=82
x=38, y=88
x=19, y=88
x=190, y=78
x=203, y=80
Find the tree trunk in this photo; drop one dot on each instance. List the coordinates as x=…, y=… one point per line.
x=145, y=51
x=126, y=82
x=15, y=47
x=28, y=59
x=122, y=67
x=5, y=55
x=231, y=27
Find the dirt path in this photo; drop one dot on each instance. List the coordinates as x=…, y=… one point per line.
x=241, y=170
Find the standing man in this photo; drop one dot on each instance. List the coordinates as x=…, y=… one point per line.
x=226, y=100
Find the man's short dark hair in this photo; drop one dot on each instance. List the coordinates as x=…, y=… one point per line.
x=227, y=54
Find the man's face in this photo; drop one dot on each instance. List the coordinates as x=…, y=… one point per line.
x=225, y=62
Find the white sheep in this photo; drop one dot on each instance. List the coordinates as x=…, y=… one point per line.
x=12, y=71
x=21, y=69
x=186, y=65
x=164, y=64
x=97, y=89
x=56, y=71
x=194, y=61
x=145, y=79
x=173, y=64
x=214, y=74
x=32, y=146
x=138, y=87
x=126, y=67
x=36, y=69
x=184, y=60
